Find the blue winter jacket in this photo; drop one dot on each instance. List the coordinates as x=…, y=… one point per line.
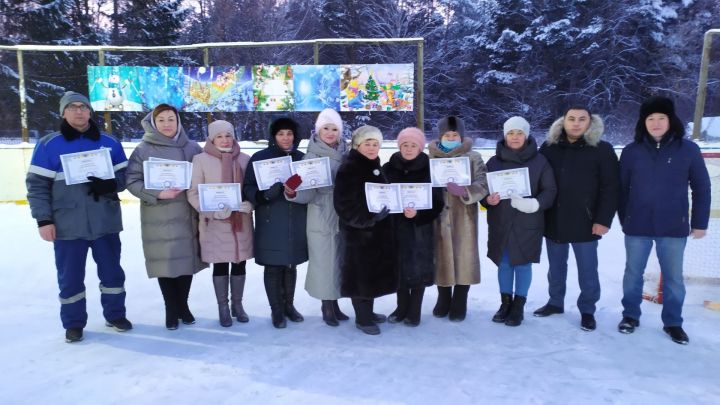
x=654, y=181
x=73, y=209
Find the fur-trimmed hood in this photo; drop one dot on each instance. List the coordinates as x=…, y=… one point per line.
x=592, y=136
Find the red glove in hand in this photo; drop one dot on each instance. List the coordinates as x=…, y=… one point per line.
x=293, y=182
x=457, y=191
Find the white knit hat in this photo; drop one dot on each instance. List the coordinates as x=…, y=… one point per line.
x=218, y=127
x=328, y=116
x=364, y=133
x=516, y=123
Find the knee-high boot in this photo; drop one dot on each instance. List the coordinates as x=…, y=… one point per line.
x=221, y=284
x=364, y=316
x=273, y=278
x=237, y=286
x=167, y=288
x=184, y=283
x=289, y=281
x=403, y=300
x=415, y=306
x=458, y=307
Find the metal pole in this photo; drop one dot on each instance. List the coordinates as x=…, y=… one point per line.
x=23, y=106
x=702, y=86
x=420, y=113
x=106, y=115
x=206, y=63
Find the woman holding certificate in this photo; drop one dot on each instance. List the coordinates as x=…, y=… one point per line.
x=226, y=234
x=516, y=224
x=280, y=242
x=414, y=227
x=169, y=223
x=323, y=273
x=367, y=245
x=456, y=231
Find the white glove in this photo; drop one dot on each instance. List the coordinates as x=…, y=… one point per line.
x=526, y=205
x=246, y=207
x=224, y=214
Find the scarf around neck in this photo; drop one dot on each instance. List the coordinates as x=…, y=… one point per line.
x=231, y=173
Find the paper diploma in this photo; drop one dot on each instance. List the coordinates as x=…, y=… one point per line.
x=379, y=196
x=417, y=196
x=164, y=174
x=513, y=181
x=450, y=170
x=218, y=196
x=271, y=171
x=78, y=166
x=315, y=173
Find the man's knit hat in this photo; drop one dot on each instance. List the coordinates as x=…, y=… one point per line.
x=72, y=97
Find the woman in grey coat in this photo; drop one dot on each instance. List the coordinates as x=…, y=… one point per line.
x=323, y=274
x=169, y=224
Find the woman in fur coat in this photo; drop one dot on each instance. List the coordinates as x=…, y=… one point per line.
x=367, y=248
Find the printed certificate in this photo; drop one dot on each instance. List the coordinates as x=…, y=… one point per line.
x=271, y=171
x=450, y=170
x=416, y=195
x=218, y=196
x=379, y=196
x=315, y=173
x=77, y=167
x=507, y=182
x=162, y=174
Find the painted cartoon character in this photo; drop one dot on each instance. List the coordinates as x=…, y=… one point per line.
x=114, y=97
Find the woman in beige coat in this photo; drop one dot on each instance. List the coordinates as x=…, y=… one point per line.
x=226, y=237
x=169, y=224
x=456, y=230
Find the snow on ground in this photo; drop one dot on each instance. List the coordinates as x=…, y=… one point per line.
x=547, y=360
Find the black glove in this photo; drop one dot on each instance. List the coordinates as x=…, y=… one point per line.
x=273, y=192
x=382, y=214
x=100, y=187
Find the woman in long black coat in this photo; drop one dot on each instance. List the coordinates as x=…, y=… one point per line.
x=414, y=234
x=280, y=242
x=366, y=250
x=516, y=224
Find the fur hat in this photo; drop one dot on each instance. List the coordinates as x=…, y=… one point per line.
x=218, y=127
x=283, y=123
x=411, y=134
x=451, y=123
x=516, y=123
x=364, y=133
x=328, y=116
x=72, y=97
x=657, y=104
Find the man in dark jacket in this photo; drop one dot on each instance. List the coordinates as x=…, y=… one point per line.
x=655, y=171
x=77, y=216
x=586, y=174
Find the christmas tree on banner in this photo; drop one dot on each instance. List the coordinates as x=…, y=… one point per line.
x=372, y=90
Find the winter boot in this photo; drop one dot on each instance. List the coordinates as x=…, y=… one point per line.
x=169, y=293
x=338, y=313
x=237, y=286
x=415, y=306
x=221, y=284
x=677, y=334
x=73, y=335
x=183, y=285
x=458, y=306
x=377, y=318
x=364, y=316
x=328, y=313
x=289, y=281
x=442, y=307
x=627, y=325
x=547, y=310
x=515, y=317
x=273, y=278
x=403, y=300
x=502, y=313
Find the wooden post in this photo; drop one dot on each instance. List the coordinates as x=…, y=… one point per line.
x=420, y=95
x=23, y=106
x=702, y=84
x=106, y=115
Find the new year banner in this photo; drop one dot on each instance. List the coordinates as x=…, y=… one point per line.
x=387, y=87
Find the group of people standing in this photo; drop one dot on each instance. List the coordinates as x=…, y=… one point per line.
x=576, y=182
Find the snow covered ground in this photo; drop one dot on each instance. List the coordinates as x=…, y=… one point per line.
x=546, y=360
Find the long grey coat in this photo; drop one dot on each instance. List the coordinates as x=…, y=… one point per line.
x=169, y=227
x=456, y=230
x=323, y=273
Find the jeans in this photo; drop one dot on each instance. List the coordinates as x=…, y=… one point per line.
x=520, y=274
x=670, y=253
x=587, y=264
